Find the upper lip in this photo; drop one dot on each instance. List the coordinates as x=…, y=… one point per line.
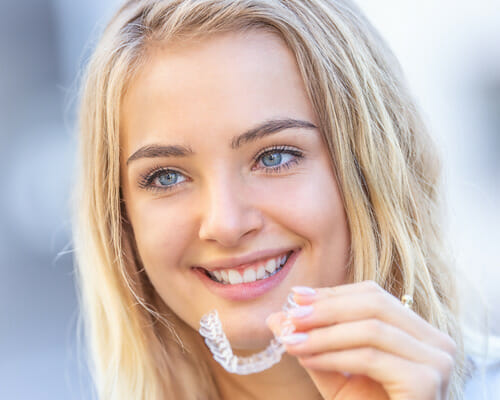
x=241, y=261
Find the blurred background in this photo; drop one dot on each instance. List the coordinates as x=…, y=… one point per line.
x=450, y=52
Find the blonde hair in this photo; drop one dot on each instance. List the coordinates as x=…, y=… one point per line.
x=384, y=160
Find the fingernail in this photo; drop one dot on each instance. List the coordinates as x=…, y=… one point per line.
x=286, y=327
x=294, y=338
x=300, y=312
x=304, y=290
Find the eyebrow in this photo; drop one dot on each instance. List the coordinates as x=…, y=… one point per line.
x=264, y=129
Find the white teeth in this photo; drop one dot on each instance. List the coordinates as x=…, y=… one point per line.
x=234, y=277
x=270, y=266
x=224, y=276
x=249, y=275
x=218, y=275
x=282, y=260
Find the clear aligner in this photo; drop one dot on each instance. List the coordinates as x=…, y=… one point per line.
x=217, y=342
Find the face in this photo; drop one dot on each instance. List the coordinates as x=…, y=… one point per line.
x=222, y=171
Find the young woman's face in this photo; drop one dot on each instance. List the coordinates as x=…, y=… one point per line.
x=222, y=170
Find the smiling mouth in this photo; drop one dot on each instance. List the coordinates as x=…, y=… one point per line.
x=257, y=272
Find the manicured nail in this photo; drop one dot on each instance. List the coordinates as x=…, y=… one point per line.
x=304, y=290
x=294, y=338
x=286, y=327
x=300, y=312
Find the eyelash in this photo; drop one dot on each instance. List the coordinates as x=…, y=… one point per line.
x=146, y=180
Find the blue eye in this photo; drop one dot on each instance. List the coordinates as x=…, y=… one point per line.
x=159, y=179
x=271, y=159
x=168, y=178
x=275, y=158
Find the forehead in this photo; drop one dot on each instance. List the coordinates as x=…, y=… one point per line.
x=221, y=84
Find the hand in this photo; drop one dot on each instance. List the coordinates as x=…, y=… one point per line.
x=357, y=341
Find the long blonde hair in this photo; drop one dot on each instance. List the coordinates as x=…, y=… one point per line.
x=384, y=160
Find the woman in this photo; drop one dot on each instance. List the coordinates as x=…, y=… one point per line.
x=220, y=135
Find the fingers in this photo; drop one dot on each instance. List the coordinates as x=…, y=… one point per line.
x=368, y=334
x=276, y=321
x=365, y=333
x=360, y=329
x=306, y=294
x=381, y=367
x=362, y=301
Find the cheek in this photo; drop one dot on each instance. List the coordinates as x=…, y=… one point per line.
x=313, y=210
x=162, y=233
x=310, y=204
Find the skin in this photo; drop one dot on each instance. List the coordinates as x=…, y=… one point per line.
x=225, y=202
x=379, y=347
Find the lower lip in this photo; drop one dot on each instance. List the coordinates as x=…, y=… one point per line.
x=250, y=290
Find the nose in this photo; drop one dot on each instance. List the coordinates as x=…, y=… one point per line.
x=228, y=213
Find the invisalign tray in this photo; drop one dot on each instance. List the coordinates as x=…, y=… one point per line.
x=217, y=342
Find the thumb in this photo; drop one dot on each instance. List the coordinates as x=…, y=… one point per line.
x=328, y=383
x=275, y=322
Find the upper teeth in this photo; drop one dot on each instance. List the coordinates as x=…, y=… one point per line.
x=256, y=272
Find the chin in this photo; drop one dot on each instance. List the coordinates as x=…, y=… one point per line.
x=249, y=342
x=248, y=335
